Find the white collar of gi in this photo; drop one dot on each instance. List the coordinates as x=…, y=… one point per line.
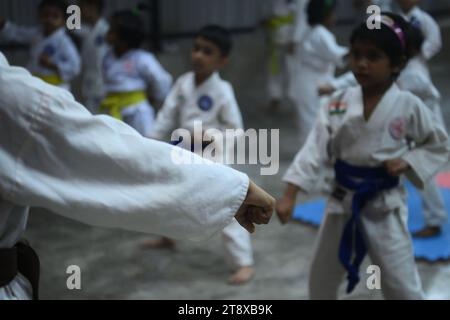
x=413, y=12
x=57, y=33
x=208, y=82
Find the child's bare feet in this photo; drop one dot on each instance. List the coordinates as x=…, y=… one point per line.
x=159, y=243
x=242, y=275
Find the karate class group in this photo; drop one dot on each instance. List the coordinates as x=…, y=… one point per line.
x=359, y=133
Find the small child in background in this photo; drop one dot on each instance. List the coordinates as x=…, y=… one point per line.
x=129, y=71
x=53, y=57
x=280, y=28
x=93, y=50
x=202, y=96
x=372, y=135
x=320, y=55
x=410, y=11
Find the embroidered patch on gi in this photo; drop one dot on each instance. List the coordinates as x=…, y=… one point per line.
x=128, y=66
x=337, y=108
x=205, y=103
x=49, y=50
x=397, y=128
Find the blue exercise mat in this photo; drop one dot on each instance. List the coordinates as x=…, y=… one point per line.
x=432, y=249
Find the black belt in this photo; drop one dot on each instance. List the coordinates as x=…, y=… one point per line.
x=21, y=258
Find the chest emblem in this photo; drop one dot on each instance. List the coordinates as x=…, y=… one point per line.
x=205, y=103
x=397, y=128
x=337, y=108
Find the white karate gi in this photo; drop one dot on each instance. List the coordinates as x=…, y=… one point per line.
x=186, y=105
x=346, y=135
x=137, y=70
x=416, y=79
x=93, y=50
x=319, y=56
x=94, y=169
x=430, y=29
x=58, y=46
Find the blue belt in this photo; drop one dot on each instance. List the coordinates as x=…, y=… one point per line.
x=367, y=183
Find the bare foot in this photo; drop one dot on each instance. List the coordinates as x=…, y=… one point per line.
x=242, y=276
x=160, y=243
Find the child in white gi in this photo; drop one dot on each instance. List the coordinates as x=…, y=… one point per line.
x=411, y=12
x=54, y=57
x=319, y=54
x=280, y=28
x=202, y=96
x=104, y=175
x=372, y=134
x=129, y=71
x=93, y=50
x=415, y=78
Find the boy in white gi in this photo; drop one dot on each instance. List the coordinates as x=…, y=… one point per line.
x=104, y=174
x=201, y=95
x=93, y=50
x=129, y=71
x=371, y=134
x=319, y=54
x=53, y=56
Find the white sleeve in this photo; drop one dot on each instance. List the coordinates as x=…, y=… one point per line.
x=167, y=117
x=431, y=150
x=433, y=38
x=301, y=22
x=344, y=81
x=68, y=60
x=158, y=79
x=20, y=34
x=305, y=170
x=97, y=170
x=329, y=50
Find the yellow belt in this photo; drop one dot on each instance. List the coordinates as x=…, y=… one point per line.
x=115, y=102
x=274, y=24
x=277, y=22
x=53, y=79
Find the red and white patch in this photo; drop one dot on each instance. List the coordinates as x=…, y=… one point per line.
x=128, y=66
x=397, y=128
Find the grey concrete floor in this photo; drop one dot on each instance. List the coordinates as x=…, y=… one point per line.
x=114, y=267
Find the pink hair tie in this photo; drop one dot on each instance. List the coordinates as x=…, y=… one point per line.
x=389, y=22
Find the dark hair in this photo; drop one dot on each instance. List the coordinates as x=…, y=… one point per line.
x=61, y=5
x=319, y=10
x=417, y=40
x=220, y=36
x=386, y=39
x=130, y=27
x=99, y=4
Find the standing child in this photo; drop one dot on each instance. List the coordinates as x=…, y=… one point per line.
x=410, y=11
x=372, y=134
x=280, y=28
x=93, y=50
x=319, y=54
x=129, y=71
x=54, y=57
x=201, y=95
x=415, y=78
